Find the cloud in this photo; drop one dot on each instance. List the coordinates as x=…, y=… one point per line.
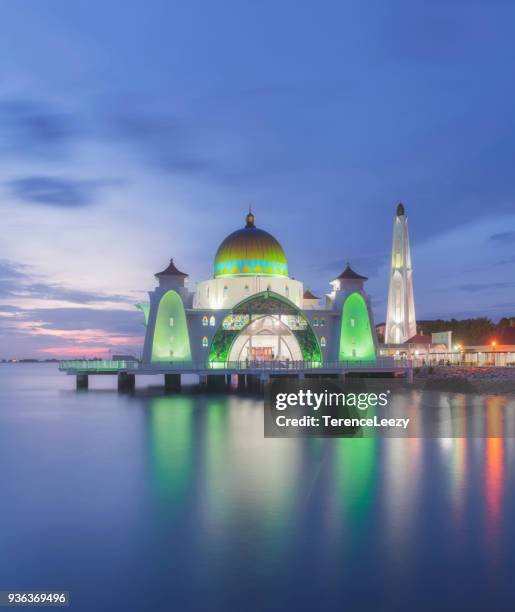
x=33, y=129
x=10, y=270
x=165, y=142
x=5, y=308
x=503, y=237
x=70, y=332
x=49, y=291
x=113, y=321
x=475, y=287
x=16, y=281
x=53, y=191
x=366, y=265
x=11, y=275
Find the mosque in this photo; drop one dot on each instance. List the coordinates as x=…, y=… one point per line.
x=253, y=311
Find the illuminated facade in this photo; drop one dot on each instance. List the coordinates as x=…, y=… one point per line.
x=401, y=324
x=252, y=311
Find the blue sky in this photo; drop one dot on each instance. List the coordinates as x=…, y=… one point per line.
x=133, y=132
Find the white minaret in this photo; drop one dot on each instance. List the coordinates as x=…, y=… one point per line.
x=400, y=315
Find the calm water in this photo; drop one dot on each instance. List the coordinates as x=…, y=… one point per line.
x=149, y=502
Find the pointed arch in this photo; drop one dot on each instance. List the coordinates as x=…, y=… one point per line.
x=254, y=307
x=356, y=340
x=171, y=340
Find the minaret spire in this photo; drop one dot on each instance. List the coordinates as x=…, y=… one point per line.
x=401, y=324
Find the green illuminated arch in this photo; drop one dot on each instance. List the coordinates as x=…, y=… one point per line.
x=356, y=340
x=171, y=339
x=264, y=303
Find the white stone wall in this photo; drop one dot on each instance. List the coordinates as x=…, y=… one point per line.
x=223, y=293
x=198, y=331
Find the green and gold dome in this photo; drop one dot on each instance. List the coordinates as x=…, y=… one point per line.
x=250, y=252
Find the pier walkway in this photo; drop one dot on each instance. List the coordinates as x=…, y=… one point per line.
x=218, y=374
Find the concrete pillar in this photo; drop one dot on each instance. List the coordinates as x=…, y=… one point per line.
x=215, y=382
x=253, y=383
x=250, y=382
x=82, y=381
x=265, y=379
x=172, y=382
x=242, y=382
x=409, y=376
x=342, y=376
x=126, y=382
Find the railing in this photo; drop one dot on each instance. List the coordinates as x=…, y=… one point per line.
x=382, y=362
x=97, y=365
x=105, y=366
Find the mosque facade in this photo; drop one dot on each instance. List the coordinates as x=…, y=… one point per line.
x=251, y=310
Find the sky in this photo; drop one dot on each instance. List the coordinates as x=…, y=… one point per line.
x=134, y=132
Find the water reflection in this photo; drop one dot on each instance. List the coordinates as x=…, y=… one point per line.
x=171, y=427
x=494, y=466
x=274, y=504
x=214, y=447
x=401, y=480
x=179, y=502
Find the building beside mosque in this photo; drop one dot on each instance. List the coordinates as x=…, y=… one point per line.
x=251, y=310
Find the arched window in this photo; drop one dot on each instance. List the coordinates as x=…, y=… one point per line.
x=212, y=321
x=322, y=341
x=315, y=322
x=247, y=288
x=322, y=322
x=226, y=290
x=205, y=321
x=287, y=291
x=205, y=342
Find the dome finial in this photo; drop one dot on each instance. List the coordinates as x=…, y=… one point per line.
x=250, y=218
x=400, y=209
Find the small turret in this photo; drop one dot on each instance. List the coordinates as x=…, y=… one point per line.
x=343, y=285
x=349, y=279
x=171, y=277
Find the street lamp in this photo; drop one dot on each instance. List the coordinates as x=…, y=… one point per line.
x=494, y=344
